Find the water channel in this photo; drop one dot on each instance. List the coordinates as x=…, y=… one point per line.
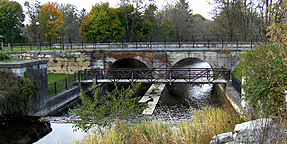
x=173, y=106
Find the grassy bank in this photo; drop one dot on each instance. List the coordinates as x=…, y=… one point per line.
x=53, y=77
x=207, y=122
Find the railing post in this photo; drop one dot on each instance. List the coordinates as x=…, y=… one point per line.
x=237, y=44
x=122, y=44
x=21, y=46
x=79, y=76
x=251, y=44
x=66, y=83
x=208, y=43
x=55, y=87
x=82, y=45
x=179, y=44
x=50, y=46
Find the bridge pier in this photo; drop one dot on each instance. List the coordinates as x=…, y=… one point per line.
x=152, y=97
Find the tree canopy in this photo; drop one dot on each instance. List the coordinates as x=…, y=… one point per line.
x=11, y=18
x=50, y=20
x=101, y=21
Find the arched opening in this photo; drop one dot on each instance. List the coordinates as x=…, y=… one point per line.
x=194, y=95
x=128, y=63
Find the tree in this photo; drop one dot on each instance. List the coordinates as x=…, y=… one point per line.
x=50, y=20
x=33, y=12
x=182, y=20
x=164, y=24
x=265, y=67
x=235, y=18
x=72, y=20
x=102, y=109
x=133, y=23
x=11, y=19
x=102, y=21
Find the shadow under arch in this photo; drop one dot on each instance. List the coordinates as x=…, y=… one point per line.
x=128, y=63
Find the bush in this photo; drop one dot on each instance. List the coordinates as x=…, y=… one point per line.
x=102, y=110
x=15, y=93
x=4, y=57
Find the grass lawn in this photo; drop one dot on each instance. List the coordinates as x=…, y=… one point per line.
x=18, y=48
x=52, y=77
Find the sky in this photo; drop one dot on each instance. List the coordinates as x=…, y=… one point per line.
x=198, y=6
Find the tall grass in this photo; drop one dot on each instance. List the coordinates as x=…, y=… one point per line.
x=206, y=123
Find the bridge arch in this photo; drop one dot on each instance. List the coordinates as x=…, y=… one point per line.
x=191, y=61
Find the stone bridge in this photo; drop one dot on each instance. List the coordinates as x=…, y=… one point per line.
x=107, y=56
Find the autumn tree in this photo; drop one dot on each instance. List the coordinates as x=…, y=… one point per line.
x=33, y=12
x=11, y=19
x=101, y=22
x=50, y=20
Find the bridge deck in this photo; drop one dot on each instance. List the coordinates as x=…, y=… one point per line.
x=197, y=81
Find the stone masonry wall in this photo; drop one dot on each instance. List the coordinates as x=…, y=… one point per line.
x=66, y=61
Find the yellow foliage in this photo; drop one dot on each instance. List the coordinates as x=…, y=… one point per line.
x=50, y=20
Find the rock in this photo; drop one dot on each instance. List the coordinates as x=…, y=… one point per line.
x=222, y=138
x=258, y=131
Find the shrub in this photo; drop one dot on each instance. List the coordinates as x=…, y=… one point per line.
x=102, y=110
x=4, y=57
x=15, y=93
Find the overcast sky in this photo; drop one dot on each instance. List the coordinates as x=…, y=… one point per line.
x=198, y=6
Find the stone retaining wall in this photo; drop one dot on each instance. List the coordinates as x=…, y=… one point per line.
x=35, y=70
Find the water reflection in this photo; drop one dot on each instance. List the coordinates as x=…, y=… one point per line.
x=63, y=134
x=22, y=129
x=190, y=94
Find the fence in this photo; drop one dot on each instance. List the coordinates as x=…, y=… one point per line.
x=236, y=84
x=63, y=84
x=147, y=42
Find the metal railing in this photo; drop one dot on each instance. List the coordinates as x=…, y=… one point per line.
x=142, y=42
x=63, y=84
x=236, y=84
x=154, y=75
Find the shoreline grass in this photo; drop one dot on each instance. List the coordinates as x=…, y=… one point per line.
x=207, y=122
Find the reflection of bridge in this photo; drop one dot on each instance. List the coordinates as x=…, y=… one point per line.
x=157, y=75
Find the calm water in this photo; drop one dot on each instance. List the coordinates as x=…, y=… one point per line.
x=62, y=134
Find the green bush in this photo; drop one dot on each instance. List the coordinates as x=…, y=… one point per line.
x=103, y=109
x=4, y=57
x=15, y=93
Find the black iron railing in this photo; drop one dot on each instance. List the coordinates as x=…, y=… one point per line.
x=236, y=84
x=154, y=75
x=63, y=84
x=141, y=42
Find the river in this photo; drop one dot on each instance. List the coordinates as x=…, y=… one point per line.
x=173, y=106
